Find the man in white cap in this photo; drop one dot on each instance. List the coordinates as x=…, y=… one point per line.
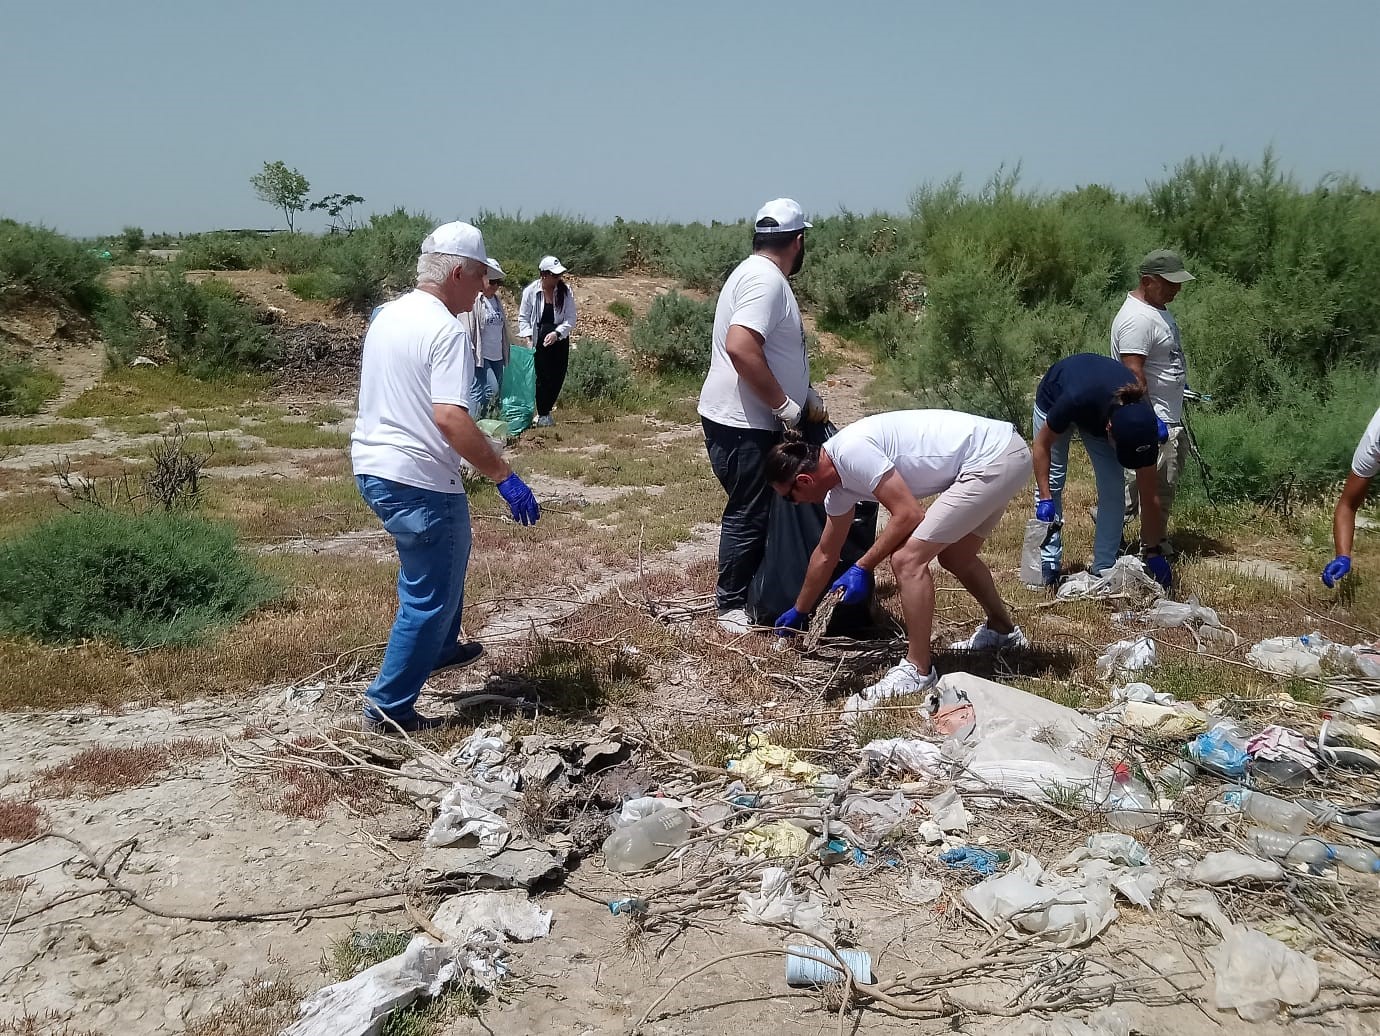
x=1145, y=337
x=411, y=433
x=758, y=385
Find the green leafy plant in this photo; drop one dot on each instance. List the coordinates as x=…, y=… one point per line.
x=283, y=188
x=596, y=373
x=676, y=335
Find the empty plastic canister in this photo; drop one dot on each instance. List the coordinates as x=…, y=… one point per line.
x=816, y=966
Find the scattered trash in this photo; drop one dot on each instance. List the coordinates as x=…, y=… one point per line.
x=643, y=842
x=519, y=865
x=948, y=812
x=1351, y=745
x=1118, y=849
x=766, y=762
x=905, y=756
x=1126, y=656
x=1221, y=749
x=1223, y=868
x=778, y=903
x=1281, y=756
x=920, y=890
x=304, y=697
x=1202, y=622
x=1180, y=720
x=1366, y=707
x=1126, y=578
x=1065, y=912
x=1257, y=974
x=629, y=906
x=816, y=966
x=779, y=840
x=1131, y=806
x=1274, y=813
x=509, y=914
x=981, y=861
x=359, y=1006
x=464, y=817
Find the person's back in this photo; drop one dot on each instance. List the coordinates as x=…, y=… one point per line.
x=1079, y=390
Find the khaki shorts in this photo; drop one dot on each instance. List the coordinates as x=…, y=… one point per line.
x=976, y=501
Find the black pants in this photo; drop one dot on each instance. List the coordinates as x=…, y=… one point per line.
x=551, y=362
x=736, y=455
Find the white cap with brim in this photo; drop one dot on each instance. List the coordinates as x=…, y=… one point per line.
x=790, y=217
x=495, y=271
x=456, y=238
x=550, y=264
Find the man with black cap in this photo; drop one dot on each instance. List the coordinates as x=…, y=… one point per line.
x=758, y=385
x=1102, y=400
x=1145, y=337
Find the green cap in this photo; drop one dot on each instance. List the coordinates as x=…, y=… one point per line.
x=1166, y=264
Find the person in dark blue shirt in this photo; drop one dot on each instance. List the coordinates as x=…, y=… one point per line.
x=1102, y=401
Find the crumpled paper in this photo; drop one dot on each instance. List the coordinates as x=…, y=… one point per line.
x=777, y=902
x=768, y=762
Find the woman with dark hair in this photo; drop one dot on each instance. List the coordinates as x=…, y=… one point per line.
x=974, y=464
x=546, y=317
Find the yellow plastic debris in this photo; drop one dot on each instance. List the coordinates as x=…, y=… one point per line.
x=777, y=840
x=768, y=762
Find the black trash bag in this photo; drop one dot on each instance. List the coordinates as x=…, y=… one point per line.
x=793, y=532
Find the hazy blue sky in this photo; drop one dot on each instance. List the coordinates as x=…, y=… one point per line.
x=157, y=113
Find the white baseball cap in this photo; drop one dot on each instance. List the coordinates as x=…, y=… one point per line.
x=790, y=217
x=550, y=264
x=495, y=271
x=456, y=238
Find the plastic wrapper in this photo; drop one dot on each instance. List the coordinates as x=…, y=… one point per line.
x=1256, y=974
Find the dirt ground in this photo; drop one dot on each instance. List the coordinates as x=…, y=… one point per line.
x=204, y=834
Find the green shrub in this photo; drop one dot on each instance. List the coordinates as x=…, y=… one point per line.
x=587, y=249
x=698, y=256
x=597, y=374
x=676, y=335
x=38, y=264
x=222, y=250
x=316, y=284
x=139, y=580
x=202, y=328
x=25, y=387
x=622, y=309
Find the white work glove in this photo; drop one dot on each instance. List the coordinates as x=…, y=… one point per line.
x=815, y=410
x=788, y=413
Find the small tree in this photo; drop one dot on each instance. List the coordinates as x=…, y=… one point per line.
x=338, y=206
x=282, y=187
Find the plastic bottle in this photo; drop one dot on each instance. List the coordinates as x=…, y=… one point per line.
x=1366, y=708
x=643, y=842
x=1131, y=806
x=1286, y=848
x=816, y=966
x=1357, y=857
x=1037, y=533
x=1271, y=812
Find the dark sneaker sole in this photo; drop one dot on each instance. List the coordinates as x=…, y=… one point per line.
x=460, y=663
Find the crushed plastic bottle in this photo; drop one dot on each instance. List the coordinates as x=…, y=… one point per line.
x=1356, y=857
x=629, y=906
x=643, y=842
x=1269, y=811
x=1130, y=806
x=1364, y=708
x=1288, y=849
x=1118, y=849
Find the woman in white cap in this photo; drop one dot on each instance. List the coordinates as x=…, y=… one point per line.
x=545, y=319
x=490, y=336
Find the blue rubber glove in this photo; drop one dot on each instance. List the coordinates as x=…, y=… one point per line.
x=1161, y=430
x=1044, y=511
x=791, y=622
x=1335, y=570
x=520, y=500
x=854, y=583
x=1159, y=568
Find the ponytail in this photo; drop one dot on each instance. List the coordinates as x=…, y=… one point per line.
x=789, y=458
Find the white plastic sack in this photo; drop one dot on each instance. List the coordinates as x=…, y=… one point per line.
x=948, y=812
x=510, y=914
x=1018, y=766
x=777, y=902
x=870, y=821
x=1225, y=867
x=461, y=816
x=359, y=1006
x=1002, y=709
x=1256, y=974
x=1285, y=656
x=1127, y=577
x=1106, y=1021
x=905, y=755
x=1199, y=903
x=1065, y=912
x=1126, y=656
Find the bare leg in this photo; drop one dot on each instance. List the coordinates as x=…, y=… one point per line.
x=962, y=560
x=911, y=565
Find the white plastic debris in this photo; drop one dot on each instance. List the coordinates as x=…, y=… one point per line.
x=1064, y=911
x=1126, y=656
x=1017, y=765
x=1141, y=692
x=1126, y=578
x=905, y=756
x=1224, y=867
x=920, y=890
x=359, y=1006
x=1257, y=974
x=777, y=902
x=948, y=812
x=509, y=914
x=870, y=821
x=1301, y=656
x=1199, y=903
x=1193, y=616
x=463, y=815
x=1002, y=709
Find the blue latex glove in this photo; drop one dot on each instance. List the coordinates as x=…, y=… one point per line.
x=1336, y=568
x=1159, y=568
x=1161, y=430
x=1044, y=510
x=520, y=500
x=790, y=623
x=854, y=583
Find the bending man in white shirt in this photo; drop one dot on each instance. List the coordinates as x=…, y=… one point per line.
x=975, y=464
x=1365, y=464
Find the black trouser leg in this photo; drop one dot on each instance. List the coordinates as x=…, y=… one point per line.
x=551, y=362
x=736, y=455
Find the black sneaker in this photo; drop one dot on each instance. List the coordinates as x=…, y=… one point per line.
x=462, y=656
x=373, y=724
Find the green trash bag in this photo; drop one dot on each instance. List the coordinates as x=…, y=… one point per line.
x=520, y=389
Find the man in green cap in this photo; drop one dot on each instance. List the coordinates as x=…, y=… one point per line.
x=1145, y=337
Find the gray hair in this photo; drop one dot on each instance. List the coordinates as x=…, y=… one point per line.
x=435, y=267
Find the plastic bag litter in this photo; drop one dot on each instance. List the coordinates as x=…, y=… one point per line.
x=1222, y=868
x=779, y=840
x=1067, y=912
x=1198, y=619
x=1221, y=749
x=1117, y=849
x=1257, y=974
x=1292, y=656
x=360, y=1006
x=1280, y=744
x=509, y=914
x=777, y=902
x=1181, y=720
x=1017, y=765
x=1199, y=903
x=1127, y=577
x=642, y=807
x=970, y=858
x=463, y=814
x=1142, y=692
x=1001, y=709
x=947, y=810
x=871, y=821
x=920, y=890
x=905, y=756
x=1126, y=656
x=767, y=762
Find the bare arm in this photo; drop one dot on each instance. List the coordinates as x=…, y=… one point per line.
x=1151, y=512
x=1039, y=454
x=745, y=349
x=467, y=440
x=1135, y=363
x=824, y=560
x=906, y=514
x=1344, y=518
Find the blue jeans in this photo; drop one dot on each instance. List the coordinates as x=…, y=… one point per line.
x=432, y=533
x=488, y=384
x=1111, y=505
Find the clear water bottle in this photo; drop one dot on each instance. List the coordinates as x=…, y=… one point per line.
x=1364, y=708
x=1357, y=857
x=643, y=842
x=1270, y=812
x=1286, y=848
x=1131, y=807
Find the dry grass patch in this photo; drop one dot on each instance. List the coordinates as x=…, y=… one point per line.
x=44, y=434
x=299, y=435
x=304, y=785
x=330, y=465
x=102, y=770
x=279, y=508
x=267, y=1006
x=21, y=820
x=139, y=391
x=50, y=1023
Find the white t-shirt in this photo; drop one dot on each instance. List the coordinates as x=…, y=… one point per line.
x=928, y=448
x=415, y=354
x=1142, y=330
x=1366, y=460
x=756, y=296
x=491, y=329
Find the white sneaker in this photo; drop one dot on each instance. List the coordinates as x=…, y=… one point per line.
x=545, y=421
x=900, y=680
x=988, y=639
x=735, y=621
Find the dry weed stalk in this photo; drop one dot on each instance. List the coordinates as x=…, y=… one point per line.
x=21, y=820
x=102, y=770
